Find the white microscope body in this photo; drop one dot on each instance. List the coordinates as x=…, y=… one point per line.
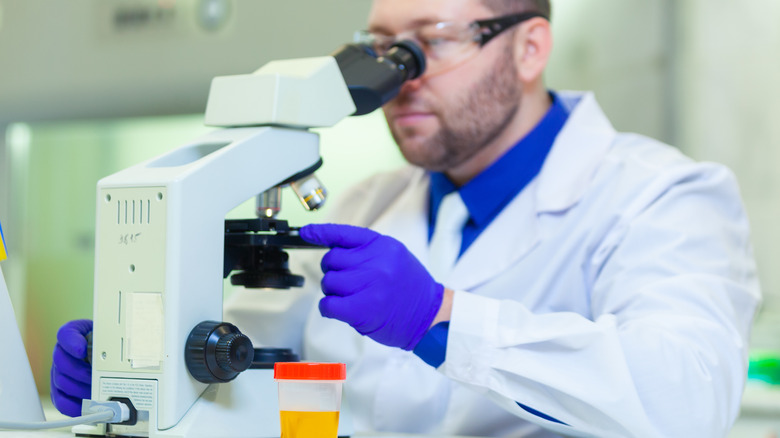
x=160, y=243
x=160, y=240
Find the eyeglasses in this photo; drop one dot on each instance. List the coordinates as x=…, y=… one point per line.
x=447, y=44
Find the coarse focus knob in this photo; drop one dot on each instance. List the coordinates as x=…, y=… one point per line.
x=217, y=352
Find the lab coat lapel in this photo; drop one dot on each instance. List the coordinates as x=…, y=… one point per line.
x=513, y=233
x=564, y=178
x=406, y=219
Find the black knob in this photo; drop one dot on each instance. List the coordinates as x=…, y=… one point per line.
x=234, y=352
x=217, y=352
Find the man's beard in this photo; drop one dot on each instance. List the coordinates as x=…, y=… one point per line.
x=471, y=122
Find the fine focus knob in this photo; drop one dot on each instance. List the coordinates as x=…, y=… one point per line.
x=216, y=352
x=234, y=352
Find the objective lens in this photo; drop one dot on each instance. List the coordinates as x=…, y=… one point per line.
x=310, y=191
x=269, y=203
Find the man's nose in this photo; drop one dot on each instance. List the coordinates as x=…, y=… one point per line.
x=412, y=85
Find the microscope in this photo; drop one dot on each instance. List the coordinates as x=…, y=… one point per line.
x=163, y=246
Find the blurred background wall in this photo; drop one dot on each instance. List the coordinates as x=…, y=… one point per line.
x=88, y=87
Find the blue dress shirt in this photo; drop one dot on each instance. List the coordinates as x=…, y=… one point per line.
x=485, y=196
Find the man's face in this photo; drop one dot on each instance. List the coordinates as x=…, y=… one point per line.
x=443, y=120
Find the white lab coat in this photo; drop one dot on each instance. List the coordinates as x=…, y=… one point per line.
x=615, y=293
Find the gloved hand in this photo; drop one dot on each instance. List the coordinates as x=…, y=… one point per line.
x=373, y=283
x=71, y=375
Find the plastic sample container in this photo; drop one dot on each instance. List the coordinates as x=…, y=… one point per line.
x=309, y=398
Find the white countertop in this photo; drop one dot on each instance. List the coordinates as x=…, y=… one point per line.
x=760, y=413
x=53, y=415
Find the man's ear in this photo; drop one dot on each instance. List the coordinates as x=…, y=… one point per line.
x=533, y=43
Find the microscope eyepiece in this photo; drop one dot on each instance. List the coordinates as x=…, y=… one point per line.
x=372, y=80
x=407, y=57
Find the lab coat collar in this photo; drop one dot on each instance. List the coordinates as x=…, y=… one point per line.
x=576, y=154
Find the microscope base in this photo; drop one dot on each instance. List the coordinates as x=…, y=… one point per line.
x=246, y=407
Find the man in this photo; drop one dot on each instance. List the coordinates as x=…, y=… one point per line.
x=590, y=284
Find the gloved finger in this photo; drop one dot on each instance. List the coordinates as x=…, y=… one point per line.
x=345, y=283
x=338, y=259
x=66, y=404
x=345, y=309
x=69, y=386
x=72, y=337
x=337, y=235
x=334, y=307
x=68, y=365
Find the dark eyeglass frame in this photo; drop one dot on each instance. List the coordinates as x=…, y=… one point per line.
x=492, y=27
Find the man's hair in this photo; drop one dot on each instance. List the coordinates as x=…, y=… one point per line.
x=503, y=7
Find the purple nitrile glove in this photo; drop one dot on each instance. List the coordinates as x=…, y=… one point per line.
x=71, y=375
x=373, y=283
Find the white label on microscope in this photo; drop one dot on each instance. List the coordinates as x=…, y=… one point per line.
x=140, y=392
x=145, y=330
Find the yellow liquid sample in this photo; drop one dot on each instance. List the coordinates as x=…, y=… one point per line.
x=297, y=424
